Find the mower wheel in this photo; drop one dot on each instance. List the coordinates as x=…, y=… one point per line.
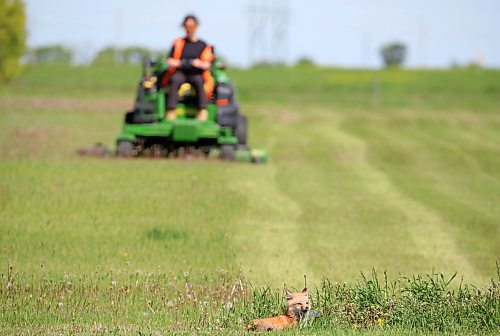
x=227, y=152
x=240, y=131
x=125, y=148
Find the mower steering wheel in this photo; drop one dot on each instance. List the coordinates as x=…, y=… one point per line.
x=187, y=64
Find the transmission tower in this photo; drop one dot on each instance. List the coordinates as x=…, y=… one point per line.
x=268, y=30
x=280, y=30
x=257, y=28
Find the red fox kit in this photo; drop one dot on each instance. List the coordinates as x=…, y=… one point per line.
x=299, y=307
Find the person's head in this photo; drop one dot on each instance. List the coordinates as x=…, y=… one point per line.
x=190, y=24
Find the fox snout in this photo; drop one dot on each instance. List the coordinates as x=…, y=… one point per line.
x=305, y=308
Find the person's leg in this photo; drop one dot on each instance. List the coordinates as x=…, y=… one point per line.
x=197, y=82
x=175, y=82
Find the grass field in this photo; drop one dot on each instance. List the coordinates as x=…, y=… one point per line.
x=392, y=170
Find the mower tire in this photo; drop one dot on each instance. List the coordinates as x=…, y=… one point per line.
x=240, y=130
x=227, y=152
x=124, y=148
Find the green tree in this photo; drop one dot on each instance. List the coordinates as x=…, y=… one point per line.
x=129, y=55
x=393, y=54
x=305, y=61
x=51, y=54
x=109, y=55
x=12, y=37
x=135, y=55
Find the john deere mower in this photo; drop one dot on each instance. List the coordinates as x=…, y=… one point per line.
x=147, y=131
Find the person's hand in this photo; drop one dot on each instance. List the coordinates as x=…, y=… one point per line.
x=198, y=63
x=173, y=63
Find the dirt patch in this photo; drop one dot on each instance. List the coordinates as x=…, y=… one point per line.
x=49, y=103
x=28, y=141
x=97, y=150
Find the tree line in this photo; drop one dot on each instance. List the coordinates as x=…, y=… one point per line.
x=110, y=55
x=393, y=55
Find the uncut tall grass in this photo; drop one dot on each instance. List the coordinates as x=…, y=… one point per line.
x=130, y=300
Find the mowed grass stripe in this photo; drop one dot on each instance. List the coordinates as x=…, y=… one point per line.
x=459, y=181
x=336, y=238
x=269, y=235
x=428, y=233
x=438, y=167
x=469, y=203
x=405, y=228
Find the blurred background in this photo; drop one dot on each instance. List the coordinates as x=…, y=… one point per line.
x=339, y=33
x=381, y=119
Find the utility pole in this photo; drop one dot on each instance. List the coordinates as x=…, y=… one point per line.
x=118, y=57
x=365, y=49
x=422, y=37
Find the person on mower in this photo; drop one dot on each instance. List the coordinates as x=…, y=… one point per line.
x=190, y=60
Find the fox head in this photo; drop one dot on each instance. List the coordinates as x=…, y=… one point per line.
x=298, y=303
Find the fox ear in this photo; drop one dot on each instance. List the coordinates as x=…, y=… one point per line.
x=288, y=294
x=304, y=290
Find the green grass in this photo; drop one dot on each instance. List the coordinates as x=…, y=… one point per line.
x=392, y=170
x=124, y=300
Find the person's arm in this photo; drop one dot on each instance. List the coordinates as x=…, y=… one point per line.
x=203, y=65
x=205, y=61
x=171, y=61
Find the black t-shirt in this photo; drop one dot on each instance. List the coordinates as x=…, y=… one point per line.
x=191, y=50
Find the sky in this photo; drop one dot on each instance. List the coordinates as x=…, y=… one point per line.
x=437, y=33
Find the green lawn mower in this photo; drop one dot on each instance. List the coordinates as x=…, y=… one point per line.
x=147, y=131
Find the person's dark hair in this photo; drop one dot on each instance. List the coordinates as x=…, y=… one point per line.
x=190, y=17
